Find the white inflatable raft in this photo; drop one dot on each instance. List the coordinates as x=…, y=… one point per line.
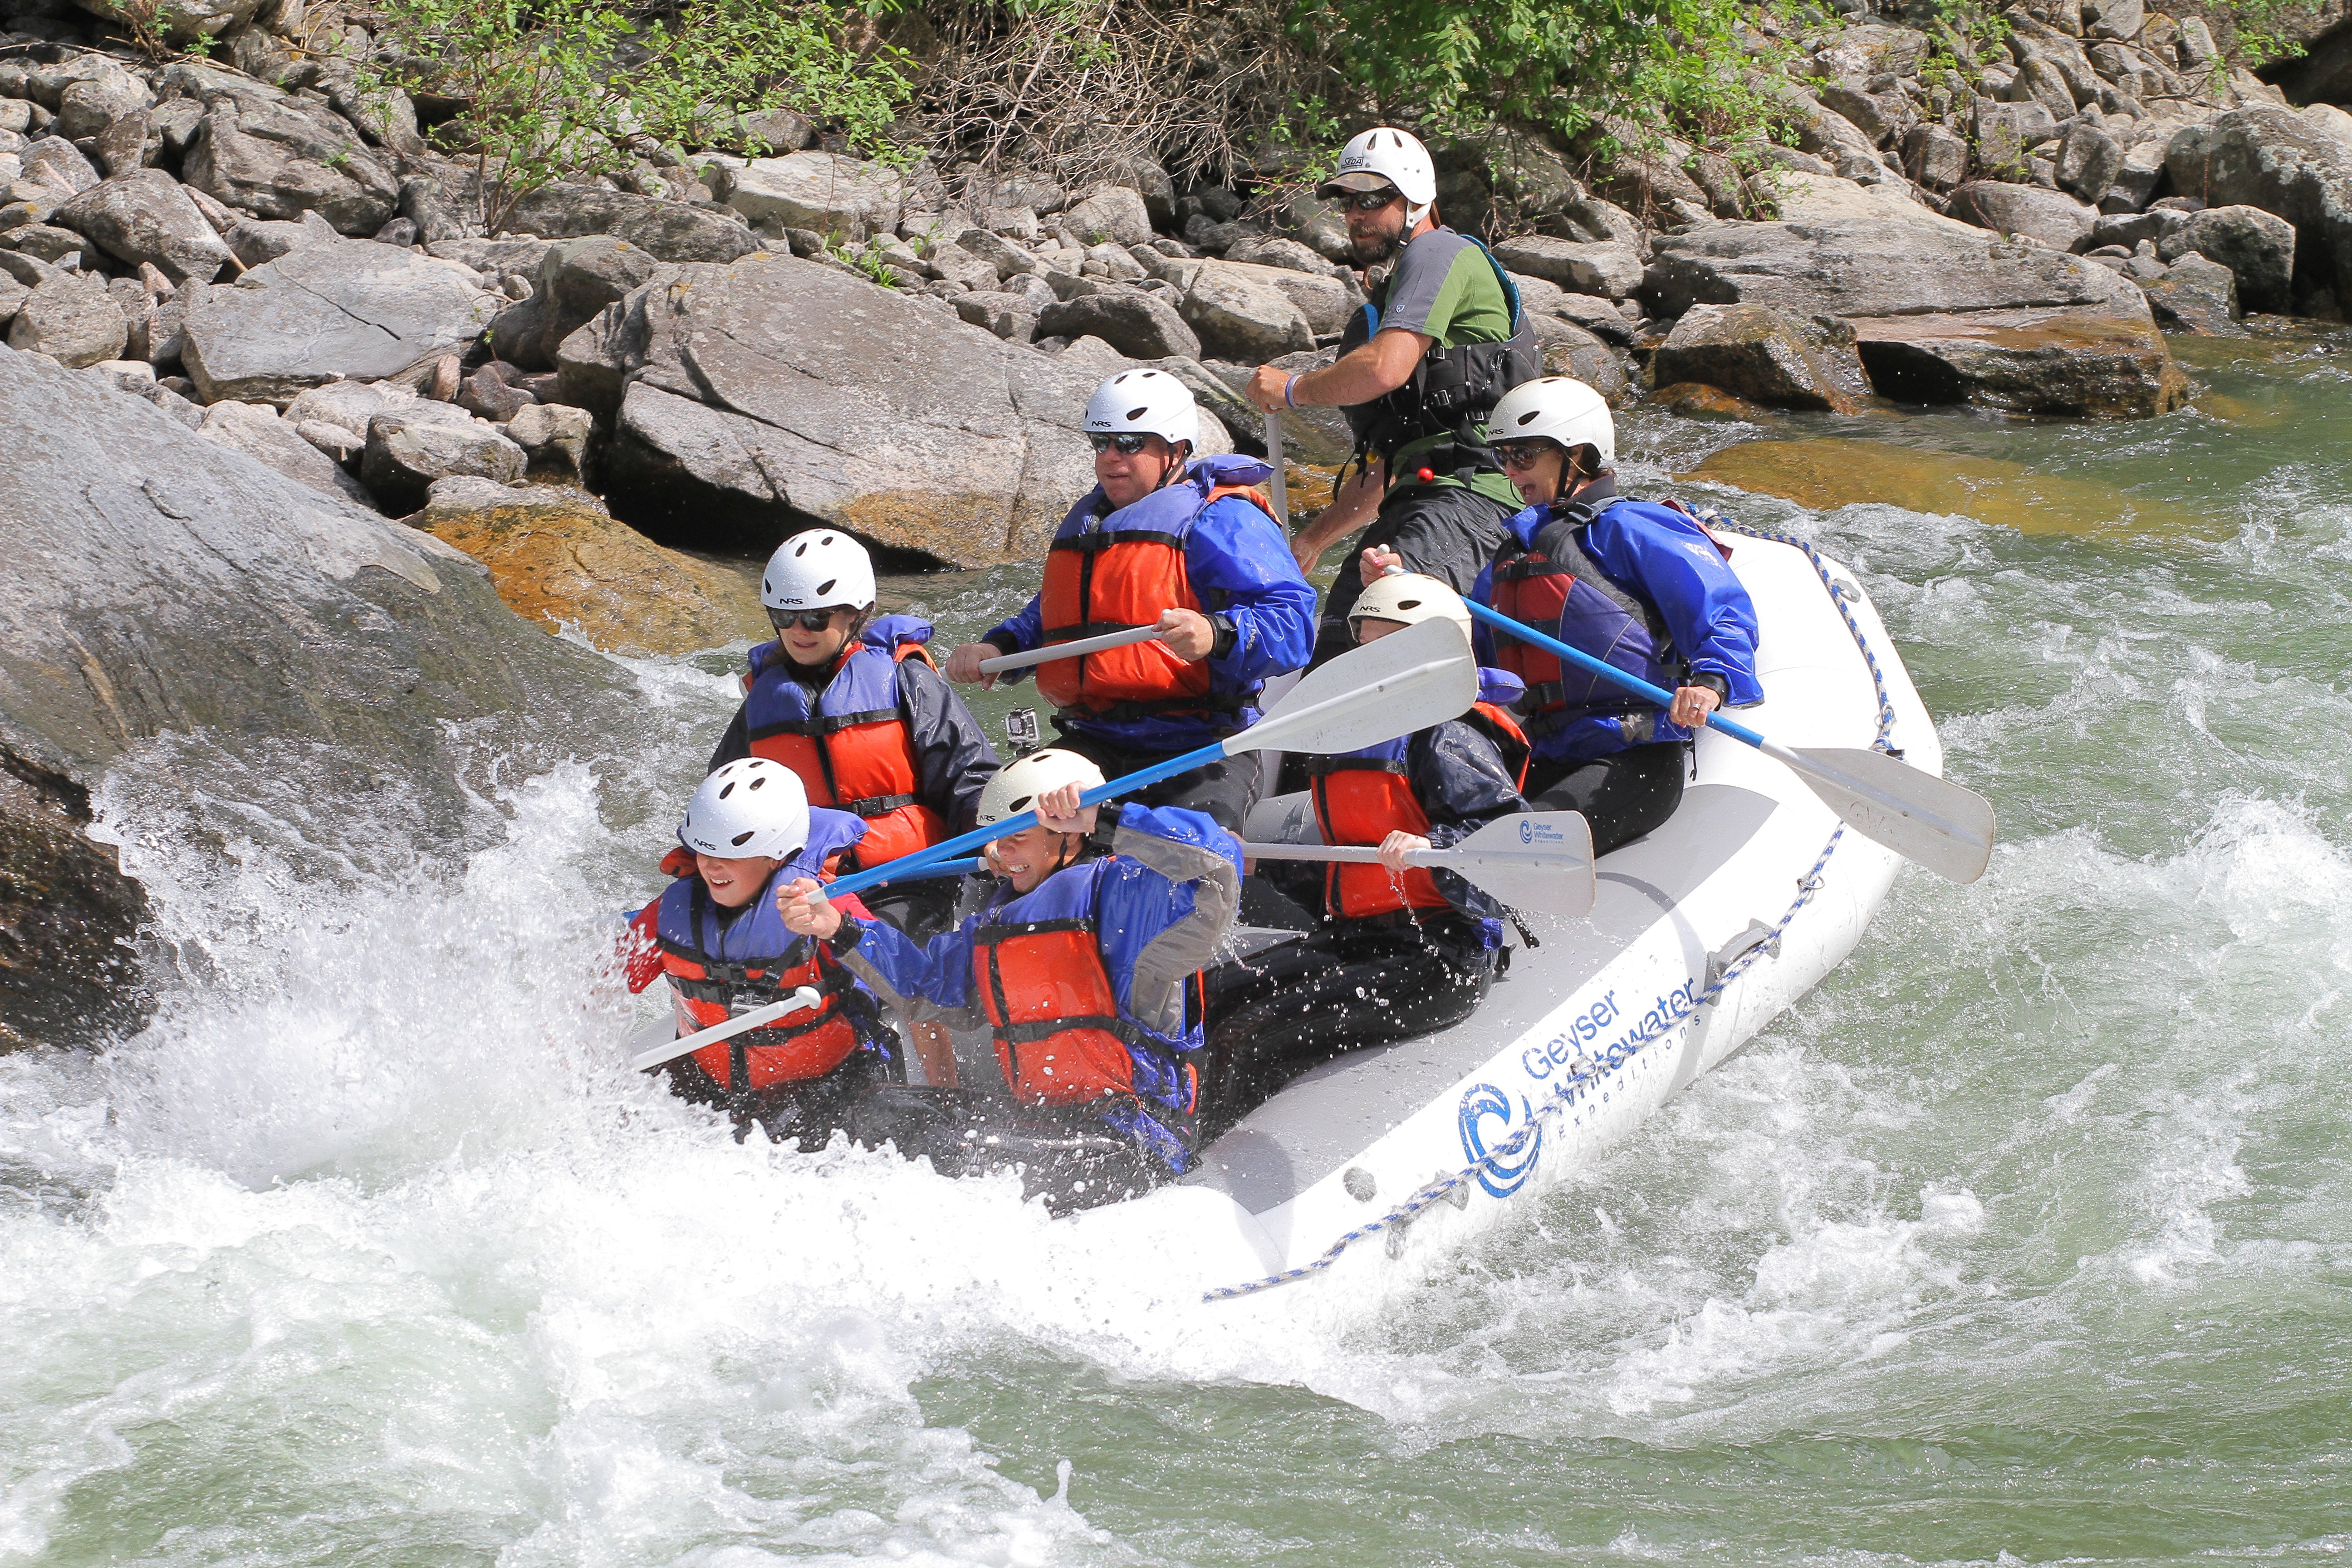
x=1378, y=1163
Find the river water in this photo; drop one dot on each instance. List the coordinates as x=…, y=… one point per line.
x=2027, y=1237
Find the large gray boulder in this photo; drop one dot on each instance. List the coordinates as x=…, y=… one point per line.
x=748, y=402
x=668, y=231
x=1113, y=212
x=2089, y=162
x=349, y=309
x=824, y=193
x=165, y=598
x=280, y=157
x=2053, y=217
x=1240, y=319
x=1942, y=314
x=2196, y=296
x=2258, y=247
x=1139, y=325
x=2267, y=157
x=577, y=277
x=70, y=317
x=146, y=216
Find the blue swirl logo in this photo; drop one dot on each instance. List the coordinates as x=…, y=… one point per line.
x=1527, y=831
x=1483, y=1103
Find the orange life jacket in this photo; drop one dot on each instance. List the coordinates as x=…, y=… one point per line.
x=851, y=748
x=1120, y=575
x=716, y=973
x=1361, y=798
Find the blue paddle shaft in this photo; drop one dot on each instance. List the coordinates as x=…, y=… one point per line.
x=943, y=869
x=963, y=843
x=1585, y=662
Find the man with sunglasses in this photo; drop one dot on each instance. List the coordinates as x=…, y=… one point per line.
x=1187, y=545
x=1643, y=585
x=854, y=706
x=1441, y=340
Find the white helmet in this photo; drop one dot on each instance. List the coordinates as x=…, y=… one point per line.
x=754, y=807
x=1149, y=400
x=1016, y=786
x=821, y=569
x=1412, y=598
x=1386, y=157
x=1556, y=408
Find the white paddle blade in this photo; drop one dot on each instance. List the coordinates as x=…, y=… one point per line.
x=1945, y=826
x=669, y=1051
x=1406, y=681
x=1540, y=861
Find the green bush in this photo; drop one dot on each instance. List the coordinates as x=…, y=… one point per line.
x=562, y=89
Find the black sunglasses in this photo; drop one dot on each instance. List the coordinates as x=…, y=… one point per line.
x=810, y=620
x=1522, y=454
x=1368, y=201
x=1128, y=443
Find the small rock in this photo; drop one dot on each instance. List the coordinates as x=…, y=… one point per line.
x=1009, y=259
x=1766, y=356
x=333, y=440
x=1569, y=349
x=61, y=161
x=70, y=318
x=487, y=394
x=1609, y=269
x=1112, y=213
x=349, y=406
x=827, y=193
x=255, y=430
x=1138, y=325
x=1239, y=320
x=400, y=231
x=405, y=454
x=555, y=438
x=280, y=158
x=257, y=242
x=950, y=262
x=1272, y=250
x=2053, y=218
x=1934, y=157
x=43, y=242
x=132, y=376
x=1012, y=317
x=666, y=230
x=145, y=217
x=2089, y=160
x=2195, y=295
x=2258, y=247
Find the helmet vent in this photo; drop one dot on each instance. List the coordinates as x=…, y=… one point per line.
x=1529, y=416
x=743, y=838
x=1137, y=413
x=1022, y=804
x=763, y=778
x=827, y=587
x=1402, y=604
x=727, y=791
x=802, y=551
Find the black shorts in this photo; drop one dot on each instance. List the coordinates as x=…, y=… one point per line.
x=1442, y=531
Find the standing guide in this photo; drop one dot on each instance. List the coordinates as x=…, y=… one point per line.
x=1420, y=365
x=1640, y=585
x=854, y=707
x=1183, y=542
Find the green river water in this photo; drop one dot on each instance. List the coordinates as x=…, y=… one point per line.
x=2026, y=1238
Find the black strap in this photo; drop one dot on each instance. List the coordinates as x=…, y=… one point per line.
x=1105, y=538
x=1319, y=767
x=825, y=723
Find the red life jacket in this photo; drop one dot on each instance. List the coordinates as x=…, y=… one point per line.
x=1121, y=575
x=1361, y=798
x=852, y=749
x=1557, y=587
x=1038, y=973
x=716, y=973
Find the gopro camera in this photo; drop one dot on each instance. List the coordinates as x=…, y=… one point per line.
x=1020, y=728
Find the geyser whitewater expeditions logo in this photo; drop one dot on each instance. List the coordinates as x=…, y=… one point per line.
x=1532, y=832
x=1482, y=1103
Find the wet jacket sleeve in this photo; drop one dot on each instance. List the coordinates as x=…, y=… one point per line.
x=1706, y=606
x=1241, y=568
x=1166, y=906
x=928, y=982
x=953, y=759
x=1460, y=780
x=734, y=743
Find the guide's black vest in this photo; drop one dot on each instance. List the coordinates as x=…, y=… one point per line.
x=1451, y=390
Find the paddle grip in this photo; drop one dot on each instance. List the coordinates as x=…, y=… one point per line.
x=1610, y=672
